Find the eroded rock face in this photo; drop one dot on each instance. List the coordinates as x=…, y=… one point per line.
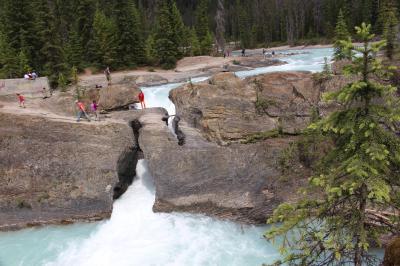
x=53, y=172
x=227, y=108
x=118, y=96
x=238, y=182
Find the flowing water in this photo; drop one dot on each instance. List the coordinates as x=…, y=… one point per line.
x=135, y=235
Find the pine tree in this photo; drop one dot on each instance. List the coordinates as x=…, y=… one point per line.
x=243, y=26
x=341, y=34
x=62, y=82
x=17, y=20
x=84, y=12
x=131, y=50
x=390, y=30
x=179, y=30
x=202, y=27
x=385, y=7
x=151, y=52
x=8, y=62
x=195, y=48
x=74, y=50
x=51, y=53
x=74, y=75
x=168, y=39
x=23, y=64
x=104, y=43
x=359, y=173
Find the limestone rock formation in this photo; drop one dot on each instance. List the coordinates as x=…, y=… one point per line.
x=227, y=108
x=238, y=182
x=55, y=172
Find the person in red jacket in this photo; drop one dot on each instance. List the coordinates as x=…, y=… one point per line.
x=141, y=100
x=21, y=100
x=81, y=111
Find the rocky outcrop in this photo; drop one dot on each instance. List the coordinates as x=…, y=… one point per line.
x=28, y=88
x=238, y=182
x=116, y=97
x=228, y=109
x=58, y=172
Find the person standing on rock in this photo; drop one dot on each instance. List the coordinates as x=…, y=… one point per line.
x=81, y=111
x=107, y=72
x=95, y=110
x=141, y=100
x=21, y=100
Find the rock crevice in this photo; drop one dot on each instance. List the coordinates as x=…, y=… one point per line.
x=127, y=162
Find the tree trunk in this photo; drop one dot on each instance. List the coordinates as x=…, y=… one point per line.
x=220, y=21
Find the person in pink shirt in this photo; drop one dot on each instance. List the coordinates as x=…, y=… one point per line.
x=94, y=107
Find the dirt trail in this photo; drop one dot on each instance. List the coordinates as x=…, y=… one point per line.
x=34, y=107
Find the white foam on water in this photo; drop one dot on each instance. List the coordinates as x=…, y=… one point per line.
x=136, y=236
x=306, y=60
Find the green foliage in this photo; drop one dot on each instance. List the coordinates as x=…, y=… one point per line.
x=56, y=35
x=244, y=28
x=23, y=64
x=8, y=62
x=263, y=104
x=151, y=52
x=360, y=171
x=195, y=48
x=262, y=136
x=168, y=34
x=104, y=43
x=202, y=27
x=390, y=30
x=74, y=75
x=325, y=75
x=327, y=67
x=286, y=159
x=236, y=63
x=129, y=36
x=74, y=50
x=22, y=204
x=341, y=34
x=62, y=82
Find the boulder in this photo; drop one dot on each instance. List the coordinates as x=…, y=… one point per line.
x=119, y=96
x=228, y=109
x=58, y=172
x=150, y=80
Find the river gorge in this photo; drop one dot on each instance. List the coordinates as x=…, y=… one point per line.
x=135, y=235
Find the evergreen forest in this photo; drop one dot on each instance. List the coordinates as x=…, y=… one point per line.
x=53, y=36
